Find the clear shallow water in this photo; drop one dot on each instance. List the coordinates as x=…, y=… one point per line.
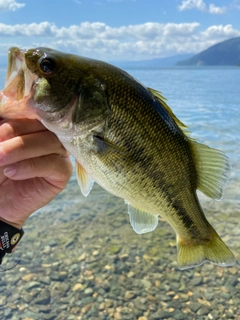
x=91, y=244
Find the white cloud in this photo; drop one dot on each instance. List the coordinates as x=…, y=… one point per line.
x=42, y=29
x=201, y=6
x=133, y=42
x=218, y=32
x=217, y=10
x=99, y=30
x=10, y=5
x=192, y=4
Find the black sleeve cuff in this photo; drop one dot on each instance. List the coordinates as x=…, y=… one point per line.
x=9, y=237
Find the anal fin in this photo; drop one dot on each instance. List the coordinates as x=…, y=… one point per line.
x=142, y=221
x=85, y=182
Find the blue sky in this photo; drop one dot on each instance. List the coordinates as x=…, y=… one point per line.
x=118, y=29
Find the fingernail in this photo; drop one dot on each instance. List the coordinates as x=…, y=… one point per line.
x=10, y=171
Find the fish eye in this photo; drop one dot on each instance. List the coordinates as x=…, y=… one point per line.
x=47, y=65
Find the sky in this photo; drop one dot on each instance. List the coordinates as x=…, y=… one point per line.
x=114, y=30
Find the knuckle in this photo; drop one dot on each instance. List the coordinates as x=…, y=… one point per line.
x=61, y=167
x=64, y=153
x=66, y=169
x=14, y=128
x=8, y=130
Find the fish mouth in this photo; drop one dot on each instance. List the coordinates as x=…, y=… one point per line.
x=20, y=81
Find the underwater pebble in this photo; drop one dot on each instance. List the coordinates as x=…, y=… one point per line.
x=88, y=291
x=196, y=281
x=93, y=270
x=204, y=310
x=3, y=301
x=195, y=306
x=32, y=285
x=178, y=315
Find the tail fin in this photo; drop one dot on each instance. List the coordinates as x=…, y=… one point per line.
x=215, y=251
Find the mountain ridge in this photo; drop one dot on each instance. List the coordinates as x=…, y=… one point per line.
x=152, y=63
x=225, y=53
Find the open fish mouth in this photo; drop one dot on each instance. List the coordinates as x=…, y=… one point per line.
x=19, y=81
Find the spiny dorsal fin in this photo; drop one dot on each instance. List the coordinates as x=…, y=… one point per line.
x=84, y=180
x=162, y=101
x=212, y=166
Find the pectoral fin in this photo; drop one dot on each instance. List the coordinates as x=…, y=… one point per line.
x=142, y=221
x=105, y=146
x=84, y=180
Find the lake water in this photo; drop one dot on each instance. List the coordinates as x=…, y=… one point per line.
x=80, y=258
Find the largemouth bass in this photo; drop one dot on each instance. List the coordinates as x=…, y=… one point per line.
x=126, y=138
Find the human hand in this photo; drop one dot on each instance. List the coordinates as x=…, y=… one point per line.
x=34, y=168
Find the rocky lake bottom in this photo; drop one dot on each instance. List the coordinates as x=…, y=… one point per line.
x=80, y=259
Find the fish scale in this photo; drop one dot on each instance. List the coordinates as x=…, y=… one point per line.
x=126, y=138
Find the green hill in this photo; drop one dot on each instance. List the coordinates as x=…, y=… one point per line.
x=226, y=53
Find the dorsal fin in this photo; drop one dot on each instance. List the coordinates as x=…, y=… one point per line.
x=85, y=182
x=212, y=166
x=162, y=101
x=213, y=169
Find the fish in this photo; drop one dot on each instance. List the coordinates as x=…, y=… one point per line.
x=126, y=138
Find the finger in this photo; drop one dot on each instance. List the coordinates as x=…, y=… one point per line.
x=54, y=168
x=30, y=146
x=2, y=176
x=14, y=128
